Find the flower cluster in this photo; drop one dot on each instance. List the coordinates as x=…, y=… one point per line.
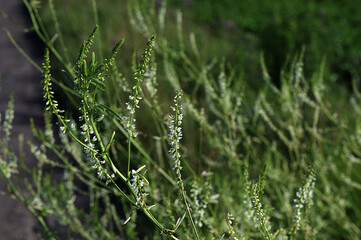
x=93, y=156
x=249, y=211
x=137, y=185
x=129, y=120
x=92, y=153
x=175, y=134
x=8, y=160
x=121, y=81
x=199, y=205
x=303, y=200
x=138, y=22
x=39, y=153
x=151, y=81
x=108, y=62
x=261, y=217
x=230, y=220
x=9, y=117
x=201, y=196
x=51, y=103
x=10, y=166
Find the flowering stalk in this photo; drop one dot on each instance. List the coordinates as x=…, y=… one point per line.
x=201, y=197
x=230, y=220
x=135, y=97
x=9, y=117
x=8, y=160
x=261, y=218
x=303, y=200
x=175, y=134
x=249, y=211
x=88, y=129
x=51, y=103
x=137, y=184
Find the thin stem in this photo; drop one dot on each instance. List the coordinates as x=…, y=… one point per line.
x=57, y=28
x=16, y=45
x=44, y=37
x=190, y=215
x=96, y=18
x=129, y=141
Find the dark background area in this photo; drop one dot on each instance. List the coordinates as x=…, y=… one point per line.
x=20, y=78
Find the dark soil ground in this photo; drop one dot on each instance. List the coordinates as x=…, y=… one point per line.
x=19, y=77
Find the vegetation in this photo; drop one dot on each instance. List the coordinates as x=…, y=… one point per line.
x=174, y=144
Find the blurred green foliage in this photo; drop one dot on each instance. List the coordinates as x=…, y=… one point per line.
x=327, y=28
x=237, y=31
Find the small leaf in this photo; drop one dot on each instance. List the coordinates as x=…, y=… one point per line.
x=100, y=118
x=109, y=143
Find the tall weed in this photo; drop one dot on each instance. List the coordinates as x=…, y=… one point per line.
x=216, y=162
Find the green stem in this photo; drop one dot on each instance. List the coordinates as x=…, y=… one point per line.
x=96, y=18
x=43, y=36
x=129, y=142
x=16, y=45
x=57, y=28
x=190, y=215
x=157, y=223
